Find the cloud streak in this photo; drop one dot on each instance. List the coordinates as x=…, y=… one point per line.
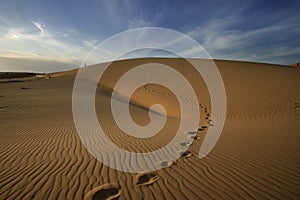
x=266, y=44
x=36, y=43
x=40, y=27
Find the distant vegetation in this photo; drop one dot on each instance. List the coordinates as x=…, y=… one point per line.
x=4, y=75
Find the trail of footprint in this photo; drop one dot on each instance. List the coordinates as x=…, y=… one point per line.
x=164, y=94
x=146, y=179
x=186, y=154
x=107, y=191
x=194, y=136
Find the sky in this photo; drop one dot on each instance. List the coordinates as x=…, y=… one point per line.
x=56, y=35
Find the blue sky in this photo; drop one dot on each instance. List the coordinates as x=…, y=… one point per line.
x=56, y=35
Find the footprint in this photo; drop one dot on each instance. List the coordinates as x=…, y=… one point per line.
x=186, y=154
x=196, y=137
x=192, y=132
x=146, y=179
x=202, y=128
x=297, y=108
x=168, y=163
x=107, y=191
x=185, y=144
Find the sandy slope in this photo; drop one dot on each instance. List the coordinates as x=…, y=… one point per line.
x=256, y=157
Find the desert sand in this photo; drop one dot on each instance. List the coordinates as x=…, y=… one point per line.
x=256, y=157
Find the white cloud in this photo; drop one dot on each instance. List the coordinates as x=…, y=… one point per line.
x=141, y=21
x=40, y=27
x=267, y=44
x=33, y=41
x=138, y=22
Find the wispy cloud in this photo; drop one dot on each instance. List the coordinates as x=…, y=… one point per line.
x=142, y=21
x=224, y=39
x=40, y=27
x=34, y=42
x=139, y=22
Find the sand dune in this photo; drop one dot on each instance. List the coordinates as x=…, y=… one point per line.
x=256, y=157
x=295, y=65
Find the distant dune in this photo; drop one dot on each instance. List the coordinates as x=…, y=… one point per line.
x=256, y=157
x=295, y=65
